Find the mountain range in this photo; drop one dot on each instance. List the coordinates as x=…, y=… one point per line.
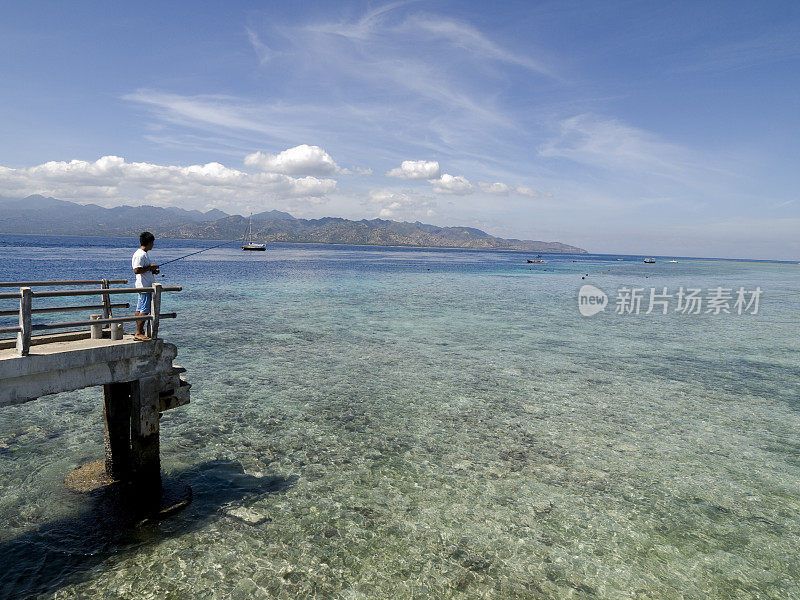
x=47, y=216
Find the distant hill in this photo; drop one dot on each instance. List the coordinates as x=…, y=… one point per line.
x=48, y=216
x=273, y=214
x=379, y=232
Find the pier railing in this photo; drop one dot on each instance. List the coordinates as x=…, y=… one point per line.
x=24, y=330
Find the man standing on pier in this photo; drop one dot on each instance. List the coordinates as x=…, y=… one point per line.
x=145, y=277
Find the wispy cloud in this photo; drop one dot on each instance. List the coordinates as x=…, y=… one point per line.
x=465, y=36
x=394, y=78
x=363, y=28
x=263, y=52
x=615, y=146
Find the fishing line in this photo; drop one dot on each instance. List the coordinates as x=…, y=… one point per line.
x=203, y=250
x=198, y=252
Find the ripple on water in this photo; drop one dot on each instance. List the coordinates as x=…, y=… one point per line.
x=439, y=434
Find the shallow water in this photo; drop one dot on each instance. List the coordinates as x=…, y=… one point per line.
x=397, y=423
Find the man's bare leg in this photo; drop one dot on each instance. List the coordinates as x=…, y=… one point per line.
x=140, y=326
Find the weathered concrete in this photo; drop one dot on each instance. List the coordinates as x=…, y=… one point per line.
x=67, y=366
x=37, y=340
x=139, y=382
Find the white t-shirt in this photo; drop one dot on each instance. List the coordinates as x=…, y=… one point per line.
x=140, y=259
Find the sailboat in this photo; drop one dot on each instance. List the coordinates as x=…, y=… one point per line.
x=248, y=243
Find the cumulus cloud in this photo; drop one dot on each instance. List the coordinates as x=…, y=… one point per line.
x=356, y=171
x=452, y=184
x=114, y=179
x=300, y=160
x=499, y=188
x=416, y=169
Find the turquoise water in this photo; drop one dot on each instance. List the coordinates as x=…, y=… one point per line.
x=396, y=423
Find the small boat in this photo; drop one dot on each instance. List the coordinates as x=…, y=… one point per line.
x=673, y=261
x=649, y=261
x=248, y=243
x=620, y=259
x=536, y=261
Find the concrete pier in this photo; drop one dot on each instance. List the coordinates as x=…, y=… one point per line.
x=139, y=381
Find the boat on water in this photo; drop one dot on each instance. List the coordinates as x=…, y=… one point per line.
x=673, y=261
x=247, y=240
x=649, y=261
x=537, y=261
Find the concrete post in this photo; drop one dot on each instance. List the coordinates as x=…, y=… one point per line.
x=117, y=416
x=144, y=439
x=116, y=331
x=96, y=330
x=24, y=335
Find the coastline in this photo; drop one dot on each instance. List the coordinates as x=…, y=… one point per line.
x=636, y=256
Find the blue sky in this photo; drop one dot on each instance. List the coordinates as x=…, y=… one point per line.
x=641, y=127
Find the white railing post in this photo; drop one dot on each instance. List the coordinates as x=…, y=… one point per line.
x=24, y=334
x=155, y=308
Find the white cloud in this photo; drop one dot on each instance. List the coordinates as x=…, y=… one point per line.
x=300, y=160
x=498, y=188
x=524, y=190
x=416, y=169
x=613, y=145
x=365, y=28
x=503, y=189
x=395, y=204
x=263, y=52
x=111, y=180
x=356, y=171
x=373, y=25
x=452, y=184
x=465, y=36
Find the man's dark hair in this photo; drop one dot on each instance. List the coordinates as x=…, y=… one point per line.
x=145, y=238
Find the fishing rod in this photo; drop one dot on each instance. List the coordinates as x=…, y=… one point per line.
x=198, y=252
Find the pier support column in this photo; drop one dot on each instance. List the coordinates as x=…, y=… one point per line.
x=117, y=416
x=144, y=439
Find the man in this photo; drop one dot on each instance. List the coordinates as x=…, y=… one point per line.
x=145, y=277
